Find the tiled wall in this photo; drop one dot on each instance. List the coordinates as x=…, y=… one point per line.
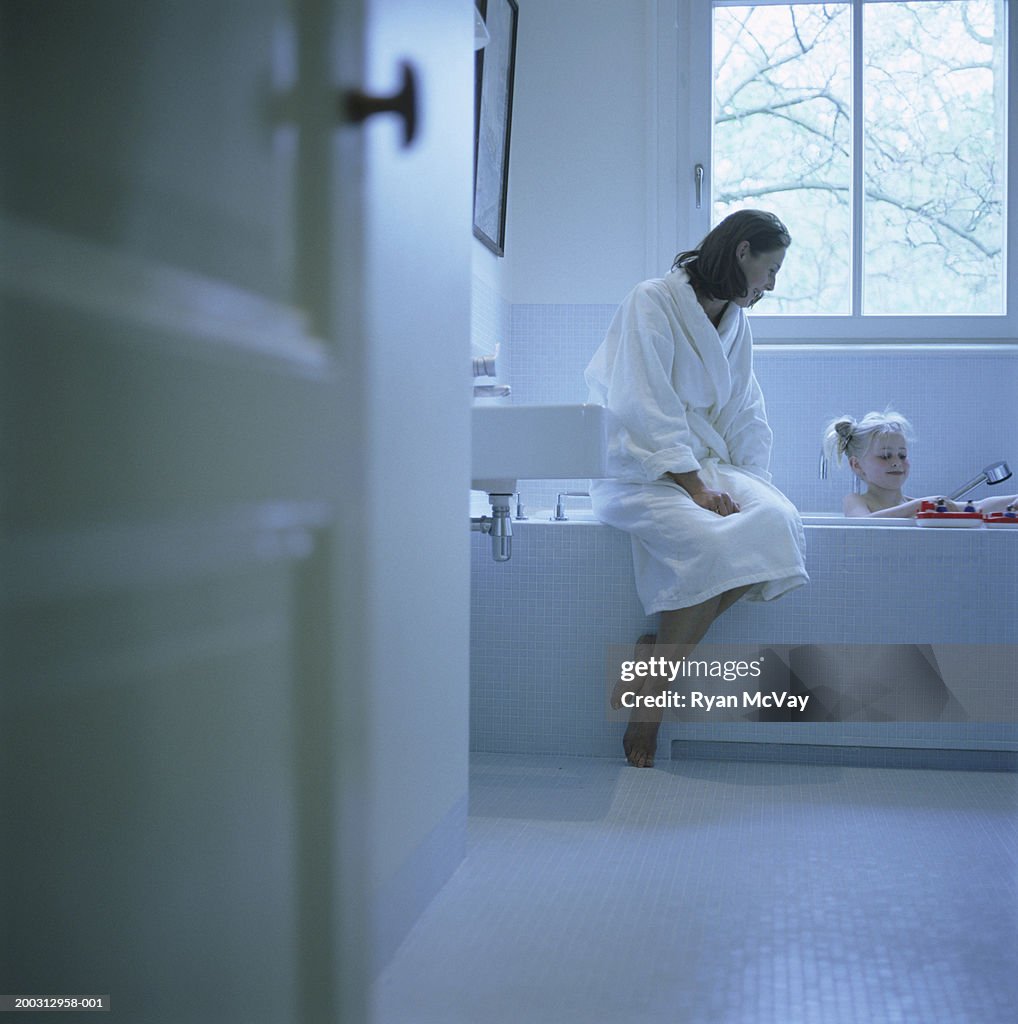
x=963, y=402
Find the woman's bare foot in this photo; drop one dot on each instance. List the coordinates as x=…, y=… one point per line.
x=640, y=743
x=640, y=740
x=643, y=650
x=682, y=629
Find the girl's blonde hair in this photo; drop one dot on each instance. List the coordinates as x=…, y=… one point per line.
x=847, y=437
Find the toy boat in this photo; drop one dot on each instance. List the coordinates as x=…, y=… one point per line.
x=1000, y=519
x=940, y=519
x=930, y=514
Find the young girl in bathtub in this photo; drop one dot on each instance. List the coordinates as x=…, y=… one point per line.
x=877, y=451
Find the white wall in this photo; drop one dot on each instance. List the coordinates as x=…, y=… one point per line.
x=415, y=650
x=492, y=270
x=583, y=151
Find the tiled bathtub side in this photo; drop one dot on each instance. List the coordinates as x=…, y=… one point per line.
x=541, y=623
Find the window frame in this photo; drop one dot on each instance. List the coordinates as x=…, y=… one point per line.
x=683, y=70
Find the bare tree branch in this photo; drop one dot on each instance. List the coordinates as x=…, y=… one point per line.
x=919, y=209
x=933, y=143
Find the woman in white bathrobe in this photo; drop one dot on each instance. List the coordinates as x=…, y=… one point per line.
x=689, y=458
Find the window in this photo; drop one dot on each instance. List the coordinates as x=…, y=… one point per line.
x=877, y=130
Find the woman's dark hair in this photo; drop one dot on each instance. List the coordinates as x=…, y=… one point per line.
x=713, y=270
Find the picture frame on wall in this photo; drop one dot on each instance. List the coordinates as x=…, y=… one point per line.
x=493, y=107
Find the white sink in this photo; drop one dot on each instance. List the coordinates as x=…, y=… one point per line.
x=537, y=442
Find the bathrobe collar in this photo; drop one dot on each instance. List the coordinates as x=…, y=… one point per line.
x=713, y=345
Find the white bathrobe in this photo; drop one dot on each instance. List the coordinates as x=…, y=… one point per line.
x=686, y=399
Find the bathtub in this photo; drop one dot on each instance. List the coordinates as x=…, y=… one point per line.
x=542, y=621
x=583, y=514
x=809, y=519
x=836, y=519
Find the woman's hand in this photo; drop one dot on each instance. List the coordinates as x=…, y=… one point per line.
x=720, y=502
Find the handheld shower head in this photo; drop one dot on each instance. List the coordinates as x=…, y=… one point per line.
x=995, y=473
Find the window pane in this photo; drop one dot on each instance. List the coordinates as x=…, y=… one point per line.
x=782, y=140
x=934, y=171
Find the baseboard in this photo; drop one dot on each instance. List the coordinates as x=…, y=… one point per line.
x=847, y=756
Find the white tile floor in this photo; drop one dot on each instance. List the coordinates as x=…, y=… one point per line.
x=708, y=892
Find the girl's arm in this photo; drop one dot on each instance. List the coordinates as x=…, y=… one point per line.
x=855, y=505
x=995, y=504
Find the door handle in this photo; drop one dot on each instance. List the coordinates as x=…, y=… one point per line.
x=359, y=106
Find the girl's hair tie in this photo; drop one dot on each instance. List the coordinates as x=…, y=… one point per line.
x=845, y=430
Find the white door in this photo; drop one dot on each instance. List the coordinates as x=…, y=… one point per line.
x=190, y=415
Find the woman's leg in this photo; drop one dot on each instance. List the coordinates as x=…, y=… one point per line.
x=681, y=628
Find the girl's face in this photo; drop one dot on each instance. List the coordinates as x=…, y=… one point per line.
x=885, y=463
x=761, y=269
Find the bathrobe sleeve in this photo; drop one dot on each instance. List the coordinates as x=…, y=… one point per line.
x=741, y=418
x=632, y=374
x=749, y=437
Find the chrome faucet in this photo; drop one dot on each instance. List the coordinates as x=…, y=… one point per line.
x=492, y=390
x=484, y=366
x=560, y=508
